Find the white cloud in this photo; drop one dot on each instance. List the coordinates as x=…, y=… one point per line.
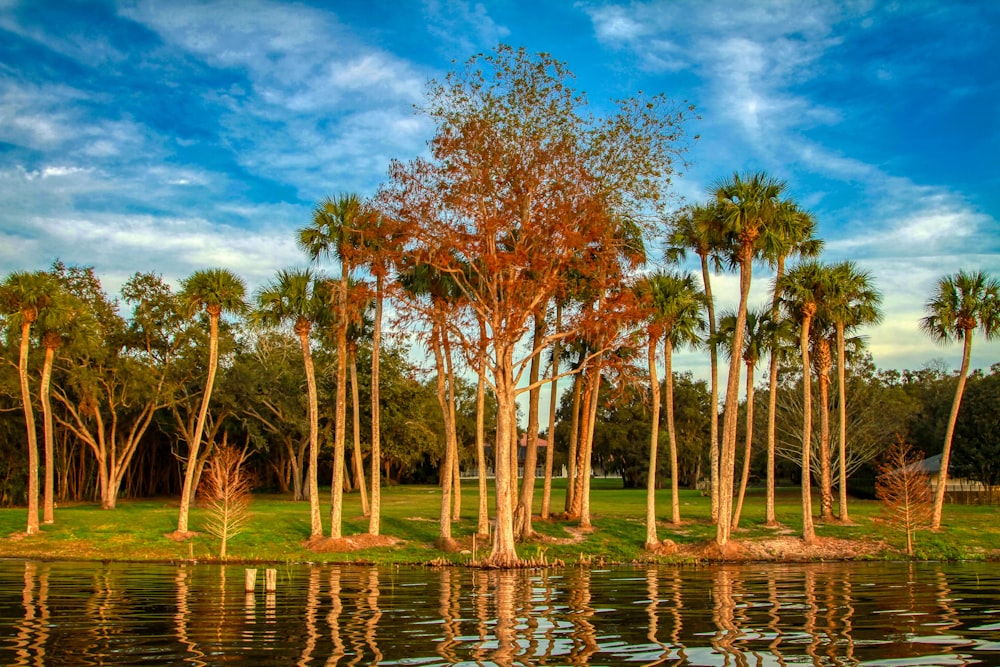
x=318, y=97
x=463, y=27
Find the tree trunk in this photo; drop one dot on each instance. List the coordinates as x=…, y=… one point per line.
x=845, y=516
x=531, y=437
x=713, y=353
x=315, y=519
x=808, y=531
x=446, y=473
x=588, y=447
x=452, y=426
x=483, y=526
x=652, y=540
x=504, y=553
x=772, y=403
x=48, y=495
x=949, y=433
x=826, y=478
x=375, y=519
x=574, y=436
x=192, y=462
x=359, y=465
x=29, y=420
x=747, y=446
x=579, y=468
x=727, y=461
x=675, y=501
x=551, y=433
x=340, y=420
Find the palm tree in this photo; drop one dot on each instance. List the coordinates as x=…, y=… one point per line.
x=217, y=291
x=25, y=296
x=700, y=229
x=793, y=236
x=801, y=291
x=757, y=339
x=423, y=280
x=359, y=328
x=750, y=208
x=334, y=232
x=294, y=296
x=853, y=303
x=675, y=305
x=959, y=305
x=381, y=240
x=820, y=334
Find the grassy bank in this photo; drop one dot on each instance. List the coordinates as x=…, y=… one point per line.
x=279, y=528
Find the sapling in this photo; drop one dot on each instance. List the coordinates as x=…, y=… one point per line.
x=225, y=488
x=905, y=490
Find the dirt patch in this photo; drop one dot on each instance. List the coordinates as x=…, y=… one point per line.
x=786, y=549
x=576, y=535
x=180, y=536
x=352, y=543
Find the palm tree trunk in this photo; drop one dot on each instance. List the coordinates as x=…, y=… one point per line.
x=772, y=402
x=374, y=521
x=444, y=530
x=826, y=477
x=29, y=420
x=845, y=516
x=452, y=439
x=808, y=531
x=48, y=494
x=579, y=469
x=747, y=445
x=192, y=463
x=727, y=460
x=531, y=438
x=588, y=446
x=574, y=436
x=942, y=485
x=340, y=419
x=315, y=519
x=359, y=464
x=652, y=541
x=483, y=526
x=553, y=404
x=713, y=353
x=675, y=487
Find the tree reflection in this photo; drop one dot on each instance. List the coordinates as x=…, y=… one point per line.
x=333, y=617
x=183, y=613
x=819, y=614
x=32, y=631
x=450, y=613
x=584, y=636
x=723, y=614
x=653, y=615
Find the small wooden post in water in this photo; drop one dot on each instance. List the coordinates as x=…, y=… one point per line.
x=251, y=579
x=270, y=580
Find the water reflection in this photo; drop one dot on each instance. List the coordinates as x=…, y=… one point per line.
x=823, y=614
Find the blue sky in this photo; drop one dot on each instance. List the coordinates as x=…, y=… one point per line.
x=173, y=136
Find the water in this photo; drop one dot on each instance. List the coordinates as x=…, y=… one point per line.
x=822, y=614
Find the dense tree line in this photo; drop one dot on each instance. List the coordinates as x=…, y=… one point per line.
x=517, y=254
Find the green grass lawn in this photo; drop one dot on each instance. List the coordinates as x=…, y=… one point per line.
x=279, y=528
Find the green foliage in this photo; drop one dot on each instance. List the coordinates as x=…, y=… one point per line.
x=977, y=432
x=621, y=436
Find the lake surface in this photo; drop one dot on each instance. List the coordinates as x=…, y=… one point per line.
x=765, y=614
